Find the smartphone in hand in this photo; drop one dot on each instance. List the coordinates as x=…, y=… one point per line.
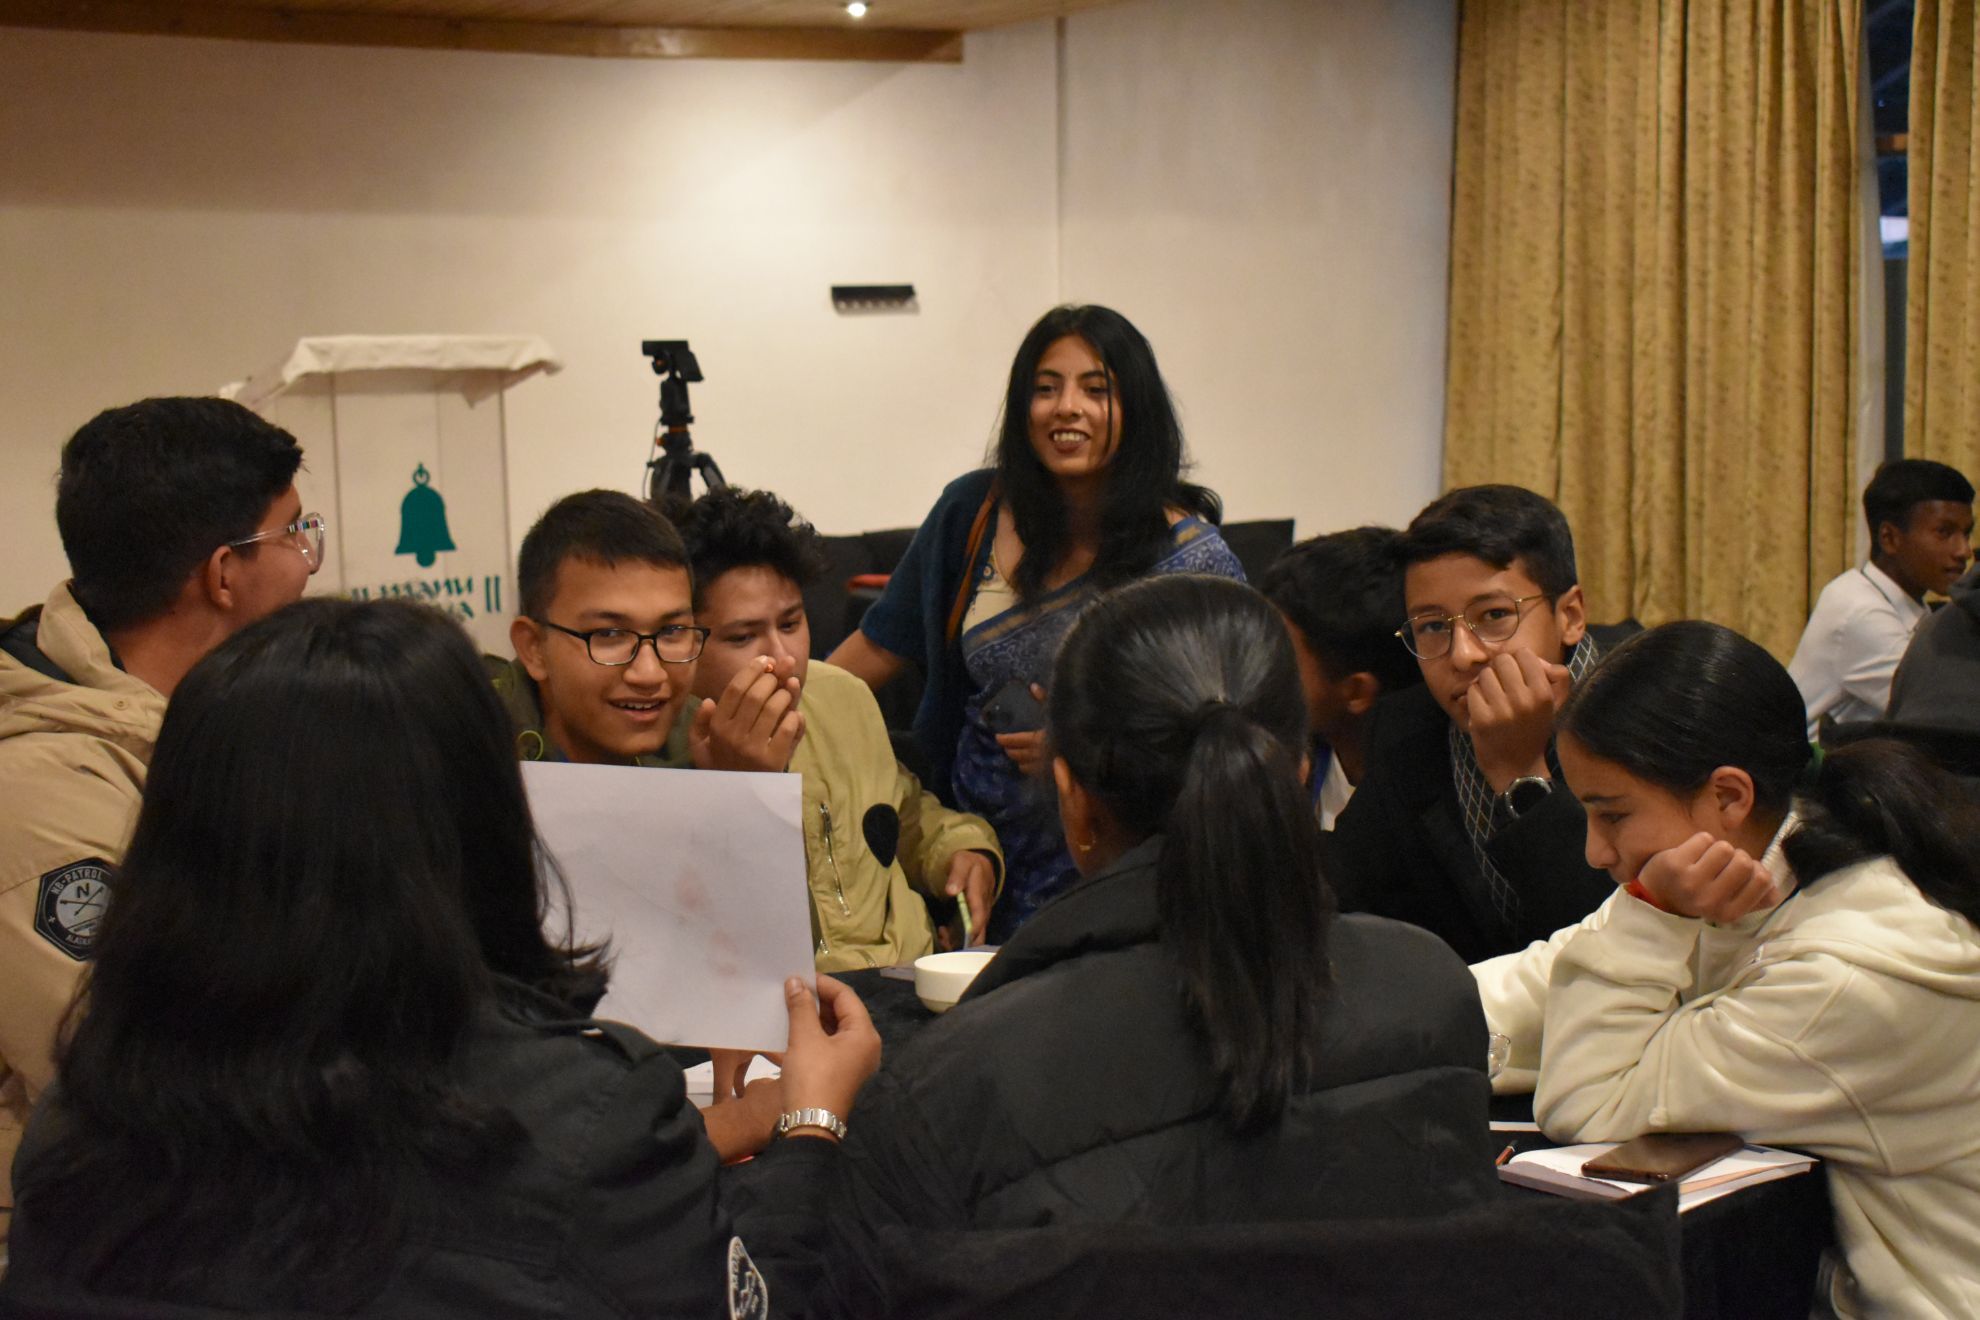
x=1012, y=709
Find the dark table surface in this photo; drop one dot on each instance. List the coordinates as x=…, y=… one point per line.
x=891, y=1002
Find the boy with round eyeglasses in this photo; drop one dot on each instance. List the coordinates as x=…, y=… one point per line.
x=1457, y=825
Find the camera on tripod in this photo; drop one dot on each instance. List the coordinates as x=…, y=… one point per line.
x=670, y=472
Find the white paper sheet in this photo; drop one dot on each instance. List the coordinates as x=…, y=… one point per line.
x=698, y=878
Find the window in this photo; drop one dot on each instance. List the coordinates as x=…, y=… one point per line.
x=1887, y=28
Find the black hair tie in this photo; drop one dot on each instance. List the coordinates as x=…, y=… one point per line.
x=1214, y=707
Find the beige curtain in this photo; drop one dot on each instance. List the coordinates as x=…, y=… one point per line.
x=1654, y=289
x=1942, y=290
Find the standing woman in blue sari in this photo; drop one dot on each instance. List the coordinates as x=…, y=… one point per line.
x=1085, y=493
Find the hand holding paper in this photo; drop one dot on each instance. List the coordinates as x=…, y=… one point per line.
x=834, y=1049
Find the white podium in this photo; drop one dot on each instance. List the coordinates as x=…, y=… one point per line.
x=405, y=451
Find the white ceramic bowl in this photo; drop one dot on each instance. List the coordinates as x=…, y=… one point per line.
x=941, y=978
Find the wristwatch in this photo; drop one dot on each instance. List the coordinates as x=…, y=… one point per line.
x=1521, y=796
x=823, y=1119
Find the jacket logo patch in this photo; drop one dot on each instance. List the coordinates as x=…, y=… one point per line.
x=71, y=904
x=749, y=1295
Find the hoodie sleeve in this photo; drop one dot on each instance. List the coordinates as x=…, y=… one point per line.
x=1513, y=989
x=1802, y=1048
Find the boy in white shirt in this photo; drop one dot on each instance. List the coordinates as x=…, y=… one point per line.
x=1921, y=529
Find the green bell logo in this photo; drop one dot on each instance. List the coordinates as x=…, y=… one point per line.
x=423, y=521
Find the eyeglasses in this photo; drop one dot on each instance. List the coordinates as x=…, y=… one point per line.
x=1493, y=619
x=675, y=644
x=305, y=534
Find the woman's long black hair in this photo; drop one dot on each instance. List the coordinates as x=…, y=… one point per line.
x=1176, y=702
x=1144, y=477
x=333, y=871
x=1676, y=703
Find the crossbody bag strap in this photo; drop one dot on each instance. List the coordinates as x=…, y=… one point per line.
x=963, y=592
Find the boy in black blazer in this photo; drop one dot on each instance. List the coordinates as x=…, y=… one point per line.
x=1461, y=824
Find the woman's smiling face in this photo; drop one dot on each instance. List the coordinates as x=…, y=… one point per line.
x=1075, y=419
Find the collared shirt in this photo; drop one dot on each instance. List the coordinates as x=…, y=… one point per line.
x=1334, y=789
x=1855, y=637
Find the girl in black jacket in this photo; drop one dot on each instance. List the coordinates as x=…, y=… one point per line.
x=327, y=1059
x=1190, y=1035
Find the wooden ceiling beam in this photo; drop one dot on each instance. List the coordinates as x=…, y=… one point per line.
x=185, y=18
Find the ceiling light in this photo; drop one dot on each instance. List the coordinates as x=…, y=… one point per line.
x=857, y=8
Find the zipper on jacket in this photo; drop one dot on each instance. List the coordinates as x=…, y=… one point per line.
x=817, y=906
x=832, y=857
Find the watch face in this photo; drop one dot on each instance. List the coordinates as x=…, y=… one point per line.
x=1527, y=794
x=71, y=904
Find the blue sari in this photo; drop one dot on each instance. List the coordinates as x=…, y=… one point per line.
x=1021, y=643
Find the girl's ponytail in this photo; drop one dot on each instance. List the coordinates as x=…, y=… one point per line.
x=1176, y=703
x=1253, y=976
x=1881, y=797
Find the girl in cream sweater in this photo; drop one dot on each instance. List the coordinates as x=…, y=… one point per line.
x=1792, y=955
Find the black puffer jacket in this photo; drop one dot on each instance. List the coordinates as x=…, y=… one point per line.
x=1069, y=1087
x=613, y=1209
x=1400, y=847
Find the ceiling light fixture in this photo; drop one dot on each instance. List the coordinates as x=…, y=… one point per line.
x=857, y=8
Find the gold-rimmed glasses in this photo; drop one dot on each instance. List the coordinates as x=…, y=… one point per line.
x=1491, y=619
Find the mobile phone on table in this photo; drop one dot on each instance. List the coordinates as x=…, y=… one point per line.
x=1012, y=709
x=1661, y=1157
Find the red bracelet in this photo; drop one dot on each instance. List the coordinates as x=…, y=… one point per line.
x=1635, y=889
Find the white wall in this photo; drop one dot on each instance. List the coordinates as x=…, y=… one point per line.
x=175, y=213
x=1261, y=184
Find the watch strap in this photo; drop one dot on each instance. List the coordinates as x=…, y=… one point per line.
x=823, y=1119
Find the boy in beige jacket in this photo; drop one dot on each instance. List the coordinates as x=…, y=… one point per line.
x=182, y=525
